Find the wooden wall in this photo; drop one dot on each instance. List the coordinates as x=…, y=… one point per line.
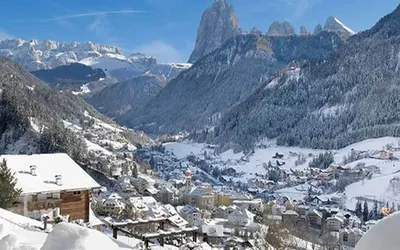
x=75, y=205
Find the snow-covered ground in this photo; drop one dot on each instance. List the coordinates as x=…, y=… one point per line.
x=97, y=148
x=21, y=233
x=248, y=164
x=366, y=145
x=183, y=149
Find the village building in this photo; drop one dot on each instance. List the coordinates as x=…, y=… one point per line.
x=315, y=218
x=191, y=214
x=143, y=182
x=290, y=216
x=350, y=237
x=241, y=217
x=334, y=223
x=201, y=196
x=112, y=206
x=213, y=234
x=252, y=205
x=52, y=185
x=221, y=212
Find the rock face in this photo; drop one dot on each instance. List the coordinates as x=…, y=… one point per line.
x=127, y=96
x=46, y=54
x=218, y=24
x=317, y=29
x=351, y=96
x=303, y=31
x=281, y=29
x=255, y=31
x=333, y=24
x=199, y=96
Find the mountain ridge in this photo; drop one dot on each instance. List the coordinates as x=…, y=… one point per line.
x=348, y=97
x=199, y=96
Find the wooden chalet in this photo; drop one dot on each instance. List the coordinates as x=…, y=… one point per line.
x=52, y=185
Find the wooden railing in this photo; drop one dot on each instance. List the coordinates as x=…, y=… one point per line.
x=44, y=205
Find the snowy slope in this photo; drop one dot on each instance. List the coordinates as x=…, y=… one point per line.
x=248, y=164
x=345, y=27
x=67, y=236
x=19, y=233
x=375, y=144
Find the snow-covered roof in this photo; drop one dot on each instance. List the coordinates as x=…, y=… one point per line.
x=336, y=218
x=178, y=221
x=146, y=200
x=290, y=212
x=47, y=167
x=187, y=209
x=213, y=230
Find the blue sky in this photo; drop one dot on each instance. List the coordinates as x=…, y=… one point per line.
x=167, y=28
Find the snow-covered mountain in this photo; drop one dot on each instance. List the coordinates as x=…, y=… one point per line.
x=47, y=54
x=334, y=24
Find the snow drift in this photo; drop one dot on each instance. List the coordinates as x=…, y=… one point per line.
x=384, y=235
x=66, y=236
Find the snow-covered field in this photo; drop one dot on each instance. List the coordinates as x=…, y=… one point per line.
x=248, y=164
x=183, y=149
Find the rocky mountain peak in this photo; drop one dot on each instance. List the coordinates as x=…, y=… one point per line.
x=303, y=31
x=218, y=24
x=317, y=29
x=255, y=31
x=335, y=25
x=281, y=29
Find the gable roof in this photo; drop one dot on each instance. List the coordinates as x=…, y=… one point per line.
x=47, y=167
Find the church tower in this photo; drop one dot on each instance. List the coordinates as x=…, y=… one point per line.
x=188, y=177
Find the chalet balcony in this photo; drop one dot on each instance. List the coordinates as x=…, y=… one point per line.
x=44, y=205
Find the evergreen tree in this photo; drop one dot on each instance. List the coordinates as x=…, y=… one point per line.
x=365, y=212
x=374, y=211
x=134, y=171
x=8, y=192
x=392, y=208
x=358, y=209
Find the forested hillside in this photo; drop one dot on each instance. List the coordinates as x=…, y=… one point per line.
x=199, y=96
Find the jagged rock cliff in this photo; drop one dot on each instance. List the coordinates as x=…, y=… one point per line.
x=218, y=24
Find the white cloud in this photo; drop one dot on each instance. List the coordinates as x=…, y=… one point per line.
x=5, y=35
x=80, y=15
x=164, y=52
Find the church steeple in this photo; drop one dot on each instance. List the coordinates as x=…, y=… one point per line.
x=188, y=177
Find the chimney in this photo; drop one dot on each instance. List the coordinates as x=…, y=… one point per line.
x=58, y=180
x=33, y=170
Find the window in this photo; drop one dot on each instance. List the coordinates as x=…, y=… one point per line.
x=34, y=198
x=77, y=193
x=345, y=237
x=49, y=196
